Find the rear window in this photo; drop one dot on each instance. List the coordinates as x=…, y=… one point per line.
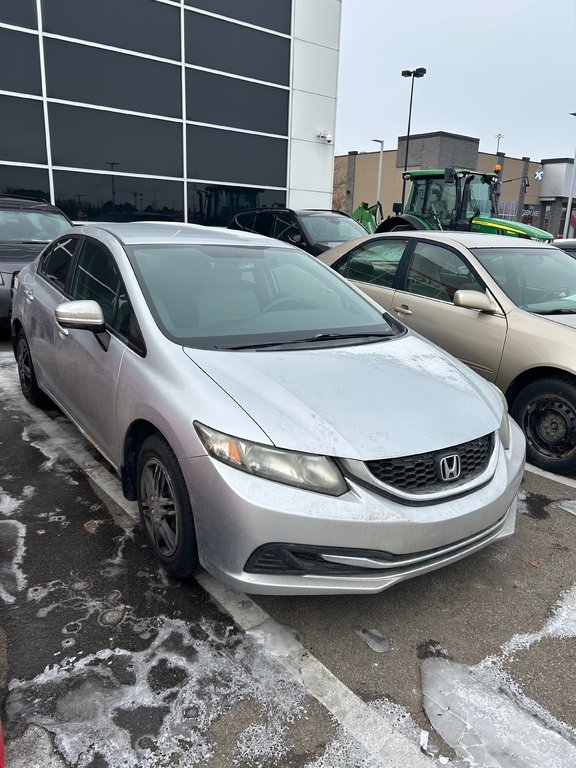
x=17, y=226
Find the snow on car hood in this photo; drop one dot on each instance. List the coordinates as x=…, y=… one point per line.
x=392, y=398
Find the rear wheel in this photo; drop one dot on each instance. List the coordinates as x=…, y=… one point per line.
x=546, y=412
x=28, y=382
x=165, y=509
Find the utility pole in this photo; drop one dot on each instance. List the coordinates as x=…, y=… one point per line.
x=498, y=136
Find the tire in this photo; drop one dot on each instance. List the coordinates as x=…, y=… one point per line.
x=28, y=382
x=165, y=508
x=546, y=412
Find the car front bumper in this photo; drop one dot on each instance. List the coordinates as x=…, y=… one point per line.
x=236, y=513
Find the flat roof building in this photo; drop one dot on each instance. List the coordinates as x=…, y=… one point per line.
x=182, y=109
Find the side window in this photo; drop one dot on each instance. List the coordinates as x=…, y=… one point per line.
x=97, y=278
x=286, y=228
x=246, y=220
x=264, y=223
x=374, y=262
x=56, y=262
x=438, y=273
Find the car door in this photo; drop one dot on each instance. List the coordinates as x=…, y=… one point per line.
x=424, y=301
x=89, y=365
x=43, y=291
x=373, y=267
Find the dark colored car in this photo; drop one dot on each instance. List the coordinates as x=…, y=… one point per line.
x=312, y=230
x=26, y=226
x=566, y=244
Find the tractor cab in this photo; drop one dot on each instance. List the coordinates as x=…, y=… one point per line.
x=451, y=200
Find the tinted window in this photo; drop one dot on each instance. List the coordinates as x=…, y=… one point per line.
x=97, y=278
x=262, y=13
x=228, y=101
x=287, y=228
x=56, y=261
x=22, y=48
x=89, y=196
x=139, y=25
x=22, y=135
x=112, y=79
x=26, y=182
x=374, y=262
x=216, y=204
x=88, y=138
x=22, y=13
x=241, y=157
x=432, y=270
x=246, y=220
x=228, y=47
x=264, y=223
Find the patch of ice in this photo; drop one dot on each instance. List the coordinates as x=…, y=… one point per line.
x=485, y=726
x=12, y=544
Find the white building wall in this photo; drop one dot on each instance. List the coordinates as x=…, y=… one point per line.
x=316, y=44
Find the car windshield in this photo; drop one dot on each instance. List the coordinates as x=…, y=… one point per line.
x=216, y=296
x=330, y=227
x=18, y=226
x=539, y=280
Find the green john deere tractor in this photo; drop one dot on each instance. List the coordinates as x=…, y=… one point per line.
x=453, y=199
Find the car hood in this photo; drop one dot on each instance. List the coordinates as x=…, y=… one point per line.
x=569, y=320
x=13, y=256
x=393, y=398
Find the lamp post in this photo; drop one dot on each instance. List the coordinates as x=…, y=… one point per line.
x=419, y=72
x=379, y=187
x=570, y=195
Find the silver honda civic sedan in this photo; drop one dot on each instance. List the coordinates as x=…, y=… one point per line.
x=276, y=427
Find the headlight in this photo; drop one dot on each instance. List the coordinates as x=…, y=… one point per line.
x=302, y=470
x=504, y=430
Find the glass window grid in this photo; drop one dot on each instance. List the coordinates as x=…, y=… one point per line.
x=183, y=66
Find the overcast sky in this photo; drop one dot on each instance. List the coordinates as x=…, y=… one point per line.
x=493, y=66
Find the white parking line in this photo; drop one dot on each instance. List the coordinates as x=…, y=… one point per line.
x=373, y=732
x=569, y=481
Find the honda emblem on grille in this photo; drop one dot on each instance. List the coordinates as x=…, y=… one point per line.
x=450, y=467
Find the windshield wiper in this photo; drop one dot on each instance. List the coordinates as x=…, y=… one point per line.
x=28, y=242
x=557, y=311
x=331, y=336
x=308, y=339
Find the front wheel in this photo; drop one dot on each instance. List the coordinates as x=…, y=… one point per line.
x=165, y=508
x=28, y=382
x=546, y=412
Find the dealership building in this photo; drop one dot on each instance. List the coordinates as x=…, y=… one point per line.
x=185, y=109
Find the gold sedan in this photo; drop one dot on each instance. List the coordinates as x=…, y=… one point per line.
x=505, y=306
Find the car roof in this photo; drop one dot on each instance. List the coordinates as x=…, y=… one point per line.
x=468, y=239
x=565, y=242
x=150, y=233
x=19, y=203
x=297, y=211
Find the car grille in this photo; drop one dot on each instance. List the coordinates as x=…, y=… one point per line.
x=421, y=473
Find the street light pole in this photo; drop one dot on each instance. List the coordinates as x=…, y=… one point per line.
x=379, y=187
x=419, y=72
x=570, y=195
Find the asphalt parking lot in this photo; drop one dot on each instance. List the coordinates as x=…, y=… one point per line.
x=106, y=662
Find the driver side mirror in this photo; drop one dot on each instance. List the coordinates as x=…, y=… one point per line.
x=295, y=238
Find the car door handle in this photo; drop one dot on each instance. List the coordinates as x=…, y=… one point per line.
x=403, y=310
x=29, y=294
